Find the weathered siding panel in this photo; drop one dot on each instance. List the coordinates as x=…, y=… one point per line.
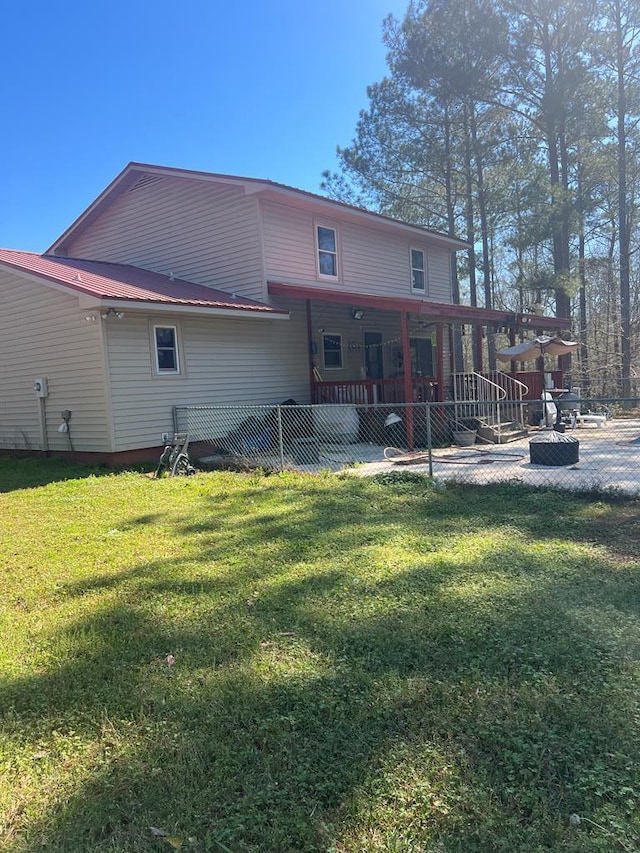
x=371, y=260
x=226, y=361
x=44, y=334
x=203, y=232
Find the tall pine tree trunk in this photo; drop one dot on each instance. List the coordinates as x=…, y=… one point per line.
x=484, y=229
x=623, y=213
x=471, y=232
x=458, y=356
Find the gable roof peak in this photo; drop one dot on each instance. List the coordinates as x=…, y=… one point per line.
x=137, y=175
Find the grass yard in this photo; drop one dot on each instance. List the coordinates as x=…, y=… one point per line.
x=296, y=664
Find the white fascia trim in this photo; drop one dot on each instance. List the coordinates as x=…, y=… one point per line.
x=164, y=308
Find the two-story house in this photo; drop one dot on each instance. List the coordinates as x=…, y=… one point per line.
x=178, y=287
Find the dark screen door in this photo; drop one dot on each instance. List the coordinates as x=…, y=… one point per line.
x=373, y=355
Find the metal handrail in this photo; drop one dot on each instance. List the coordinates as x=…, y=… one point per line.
x=524, y=389
x=486, y=397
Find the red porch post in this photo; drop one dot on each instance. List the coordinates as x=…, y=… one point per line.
x=479, y=358
x=408, y=384
x=512, y=343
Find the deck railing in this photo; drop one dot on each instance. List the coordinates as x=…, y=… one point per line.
x=516, y=391
x=477, y=397
x=493, y=399
x=375, y=391
x=533, y=380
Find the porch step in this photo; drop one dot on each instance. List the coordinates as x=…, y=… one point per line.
x=503, y=434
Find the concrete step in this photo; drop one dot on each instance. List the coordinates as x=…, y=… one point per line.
x=504, y=434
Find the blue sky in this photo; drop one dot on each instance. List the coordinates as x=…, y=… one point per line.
x=262, y=89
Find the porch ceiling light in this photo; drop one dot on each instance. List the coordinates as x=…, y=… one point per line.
x=357, y=313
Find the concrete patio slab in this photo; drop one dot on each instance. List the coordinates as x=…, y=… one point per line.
x=609, y=458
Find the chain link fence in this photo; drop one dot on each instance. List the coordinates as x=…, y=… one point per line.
x=570, y=443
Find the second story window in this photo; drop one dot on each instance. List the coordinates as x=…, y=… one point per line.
x=417, y=270
x=327, y=251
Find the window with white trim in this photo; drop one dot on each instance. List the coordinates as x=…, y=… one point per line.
x=332, y=351
x=166, y=344
x=418, y=270
x=327, y=240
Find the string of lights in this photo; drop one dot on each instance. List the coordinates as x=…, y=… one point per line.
x=386, y=343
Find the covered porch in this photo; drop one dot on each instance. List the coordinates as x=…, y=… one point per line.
x=368, y=350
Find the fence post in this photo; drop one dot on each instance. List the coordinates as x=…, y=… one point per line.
x=429, y=440
x=280, y=440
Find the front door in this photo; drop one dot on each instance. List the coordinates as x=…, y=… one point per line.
x=421, y=356
x=421, y=366
x=373, y=355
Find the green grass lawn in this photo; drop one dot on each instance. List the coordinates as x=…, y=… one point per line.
x=290, y=663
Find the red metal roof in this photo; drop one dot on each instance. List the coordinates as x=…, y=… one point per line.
x=123, y=282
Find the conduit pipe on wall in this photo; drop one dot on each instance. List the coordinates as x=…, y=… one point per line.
x=42, y=413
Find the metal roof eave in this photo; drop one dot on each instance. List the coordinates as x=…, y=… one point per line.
x=146, y=306
x=88, y=300
x=444, y=311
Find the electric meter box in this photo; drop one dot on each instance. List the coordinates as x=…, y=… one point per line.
x=41, y=387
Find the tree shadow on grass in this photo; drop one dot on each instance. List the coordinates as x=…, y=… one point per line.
x=298, y=720
x=540, y=515
x=30, y=472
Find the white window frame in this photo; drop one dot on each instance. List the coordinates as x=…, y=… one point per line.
x=338, y=337
x=336, y=253
x=413, y=269
x=163, y=371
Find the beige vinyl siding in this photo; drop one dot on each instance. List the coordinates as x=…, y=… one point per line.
x=370, y=260
x=334, y=318
x=289, y=243
x=44, y=334
x=224, y=362
x=202, y=232
x=439, y=275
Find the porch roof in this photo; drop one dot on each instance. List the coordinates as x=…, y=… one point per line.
x=440, y=311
